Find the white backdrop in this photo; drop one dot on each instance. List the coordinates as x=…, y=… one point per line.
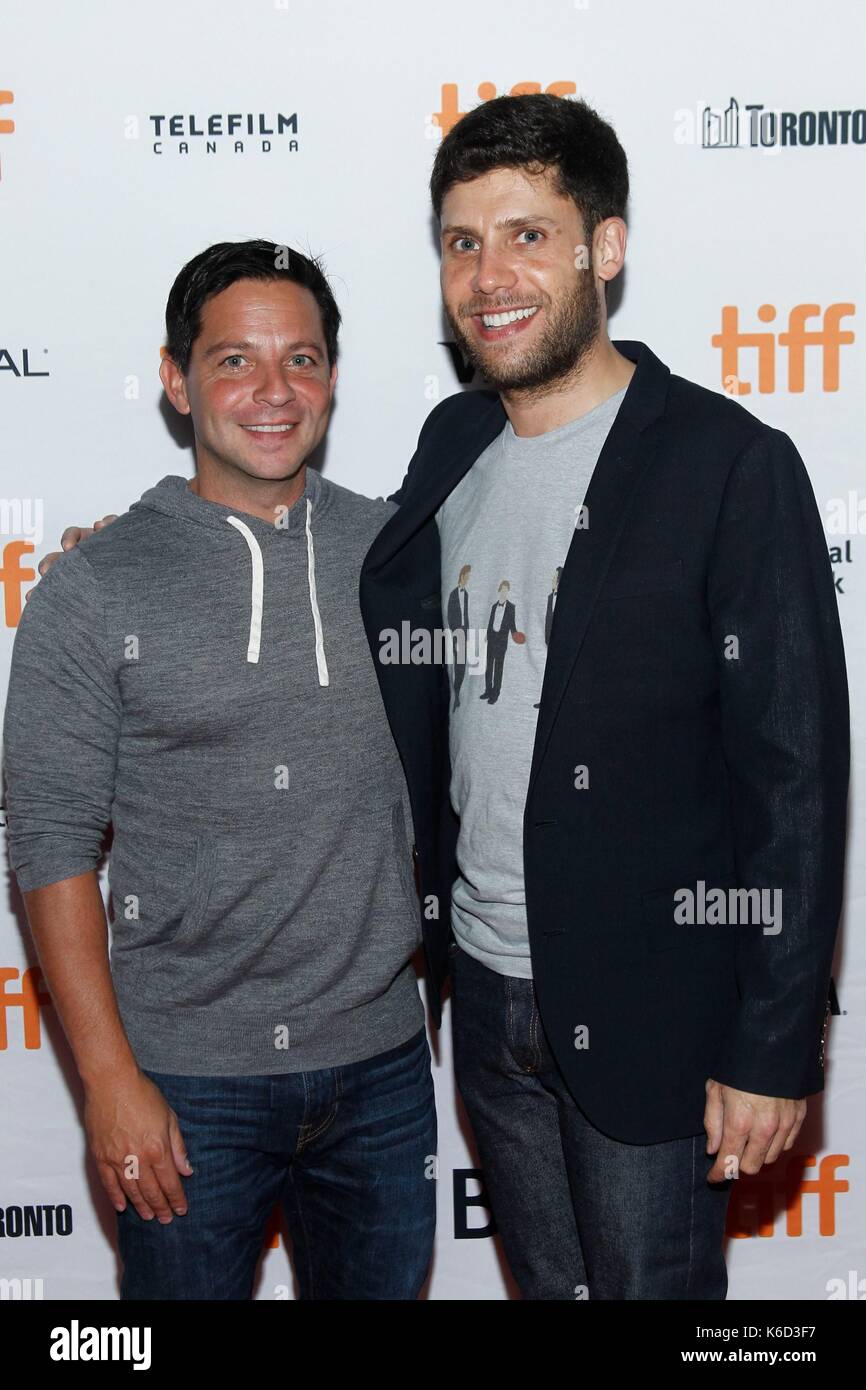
x=105, y=191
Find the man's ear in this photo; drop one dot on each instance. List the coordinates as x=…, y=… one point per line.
x=174, y=384
x=612, y=236
x=333, y=381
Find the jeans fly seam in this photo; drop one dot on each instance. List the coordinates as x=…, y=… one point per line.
x=304, y=1139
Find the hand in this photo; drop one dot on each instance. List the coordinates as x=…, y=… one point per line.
x=752, y=1129
x=68, y=541
x=129, y=1119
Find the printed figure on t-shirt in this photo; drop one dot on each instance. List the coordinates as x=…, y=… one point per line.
x=548, y=617
x=500, y=625
x=458, y=625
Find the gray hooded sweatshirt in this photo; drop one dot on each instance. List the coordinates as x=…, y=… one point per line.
x=201, y=680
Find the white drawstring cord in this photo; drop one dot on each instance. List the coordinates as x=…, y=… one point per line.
x=258, y=589
x=321, y=663
x=255, y=641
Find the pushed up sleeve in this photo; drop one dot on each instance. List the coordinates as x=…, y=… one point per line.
x=61, y=728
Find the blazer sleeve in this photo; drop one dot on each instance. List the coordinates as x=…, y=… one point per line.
x=785, y=733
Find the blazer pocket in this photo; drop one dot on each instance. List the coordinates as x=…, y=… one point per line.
x=432, y=601
x=664, y=932
x=642, y=582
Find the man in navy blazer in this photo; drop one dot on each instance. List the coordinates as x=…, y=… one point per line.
x=684, y=790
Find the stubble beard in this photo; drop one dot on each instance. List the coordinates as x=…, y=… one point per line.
x=569, y=333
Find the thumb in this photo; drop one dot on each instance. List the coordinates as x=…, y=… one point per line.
x=714, y=1116
x=178, y=1147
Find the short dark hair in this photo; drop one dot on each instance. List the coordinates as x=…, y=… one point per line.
x=221, y=265
x=535, y=132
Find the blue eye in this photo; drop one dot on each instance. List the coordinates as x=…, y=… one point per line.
x=235, y=357
x=531, y=231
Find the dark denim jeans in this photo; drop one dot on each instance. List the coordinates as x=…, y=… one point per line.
x=347, y=1150
x=580, y=1214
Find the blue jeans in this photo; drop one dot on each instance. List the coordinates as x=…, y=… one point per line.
x=580, y=1214
x=346, y=1150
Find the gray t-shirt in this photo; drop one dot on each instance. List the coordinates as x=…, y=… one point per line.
x=505, y=532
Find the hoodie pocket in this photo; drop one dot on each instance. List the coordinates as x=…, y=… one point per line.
x=160, y=886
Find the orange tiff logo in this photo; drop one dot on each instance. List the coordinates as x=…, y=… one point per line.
x=755, y=1197
x=7, y=127
x=28, y=999
x=829, y=337
x=450, y=114
x=12, y=577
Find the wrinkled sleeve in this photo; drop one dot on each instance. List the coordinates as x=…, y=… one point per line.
x=61, y=728
x=785, y=734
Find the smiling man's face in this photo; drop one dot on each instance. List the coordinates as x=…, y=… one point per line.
x=259, y=385
x=522, y=312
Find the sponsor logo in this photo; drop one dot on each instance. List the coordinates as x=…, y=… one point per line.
x=7, y=126
x=755, y=1198
x=450, y=113
x=756, y=126
x=825, y=341
x=236, y=131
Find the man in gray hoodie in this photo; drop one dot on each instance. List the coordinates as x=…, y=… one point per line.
x=197, y=675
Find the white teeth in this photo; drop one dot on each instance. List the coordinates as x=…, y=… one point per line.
x=269, y=429
x=512, y=316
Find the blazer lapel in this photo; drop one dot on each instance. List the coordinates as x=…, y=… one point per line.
x=627, y=453
x=441, y=476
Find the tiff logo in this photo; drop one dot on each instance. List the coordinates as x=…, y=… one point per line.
x=28, y=999
x=7, y=127
x=752, y=1208
x=829, y=338
x=12, y=577
x=446, y=119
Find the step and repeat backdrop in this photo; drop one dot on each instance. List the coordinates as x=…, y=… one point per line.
x=132, y=136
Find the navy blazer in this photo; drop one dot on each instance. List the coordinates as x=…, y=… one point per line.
x=696, y=671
